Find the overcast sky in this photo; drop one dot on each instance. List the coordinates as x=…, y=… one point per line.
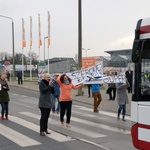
x=106, y=25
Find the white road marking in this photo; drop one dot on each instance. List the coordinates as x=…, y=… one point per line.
x=73, y=128
x=17, y=137
x=54, y=135
x=111, y=114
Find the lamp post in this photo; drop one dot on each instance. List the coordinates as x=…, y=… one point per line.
x=44, y=46
x=86, y=51
x=79, y=39
x=13, y=45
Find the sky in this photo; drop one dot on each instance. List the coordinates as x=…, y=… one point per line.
x=106, y=25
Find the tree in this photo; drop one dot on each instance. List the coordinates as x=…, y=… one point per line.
x=18, y=59
x=34, y=58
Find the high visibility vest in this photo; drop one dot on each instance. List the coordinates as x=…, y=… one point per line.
x=146, y=75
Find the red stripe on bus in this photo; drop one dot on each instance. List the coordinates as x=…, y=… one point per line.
x=139, y=144
x=145, y=29
x=144, y=126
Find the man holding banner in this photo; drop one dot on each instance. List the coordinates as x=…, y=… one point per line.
x=97, y=96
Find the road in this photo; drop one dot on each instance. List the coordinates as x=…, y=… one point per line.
x=93, y=131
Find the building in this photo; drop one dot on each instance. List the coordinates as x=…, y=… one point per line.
x=119, y=58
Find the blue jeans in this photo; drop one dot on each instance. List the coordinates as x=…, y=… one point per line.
x=123, y=109
x=53, y=98
x=4, y=108
x=58, y=103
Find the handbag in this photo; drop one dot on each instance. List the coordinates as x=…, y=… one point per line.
x=108, y=90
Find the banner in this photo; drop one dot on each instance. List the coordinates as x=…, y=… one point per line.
x=23, y=34
x=40, y=41
x=49, y=42
x=30, y=31
x=94, y=75
x=83, y=76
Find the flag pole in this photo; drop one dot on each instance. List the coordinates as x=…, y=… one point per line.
x=30, y=47
x=23, y=45
x=40, y=41
x=22, y=66
x=48, y=38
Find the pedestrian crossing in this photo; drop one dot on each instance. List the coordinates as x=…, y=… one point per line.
x=79, y=125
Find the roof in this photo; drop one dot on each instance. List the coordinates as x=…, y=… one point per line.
x=58, y=59
x=125, y=51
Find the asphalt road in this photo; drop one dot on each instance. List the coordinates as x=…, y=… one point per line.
x=90, y=131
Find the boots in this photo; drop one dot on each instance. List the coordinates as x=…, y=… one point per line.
x=2, y=117
x=118, y=117
x=6, y=117
x=123, y=118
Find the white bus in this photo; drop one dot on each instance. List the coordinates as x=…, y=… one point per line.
x=140, y=105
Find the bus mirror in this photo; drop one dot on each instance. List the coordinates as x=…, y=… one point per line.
x=136, y=51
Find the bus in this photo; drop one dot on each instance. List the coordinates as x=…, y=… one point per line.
x=140, y=104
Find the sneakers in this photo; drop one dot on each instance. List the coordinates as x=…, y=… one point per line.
x=96, y=111
x=62, y=123
x=57, y=112
x=118, y=117
x=68, y=125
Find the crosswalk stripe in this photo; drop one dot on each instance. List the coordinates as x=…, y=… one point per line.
x=17, y=137
x=100, y=125
x=86, y=122
x=111, y=114
x=54, y=135
x=73, y=128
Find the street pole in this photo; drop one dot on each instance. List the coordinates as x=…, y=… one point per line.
x=44, y=46
x=13, y=45
x=79, y=40
x=86, y=51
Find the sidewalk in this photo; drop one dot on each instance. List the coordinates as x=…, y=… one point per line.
x=105, y=104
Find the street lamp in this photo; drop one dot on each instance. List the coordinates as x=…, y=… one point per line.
x=86, y=51
x=44, y=46
x=13, y=45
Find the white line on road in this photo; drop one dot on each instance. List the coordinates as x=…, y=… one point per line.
x=17, y=137
x=73, y=128
x=54, y=135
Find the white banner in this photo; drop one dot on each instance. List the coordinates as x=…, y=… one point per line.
x=83, y=76
x=94, y=75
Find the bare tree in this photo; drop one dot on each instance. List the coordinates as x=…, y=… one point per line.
x=34, y=58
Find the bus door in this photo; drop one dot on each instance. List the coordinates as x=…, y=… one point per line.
x=140, y=105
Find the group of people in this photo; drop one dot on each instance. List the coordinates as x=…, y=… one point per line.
x=48, y=92
x=114, y=89
x=60, y=88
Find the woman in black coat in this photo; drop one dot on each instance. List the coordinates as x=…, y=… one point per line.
x=4, y=96
x=45, y=87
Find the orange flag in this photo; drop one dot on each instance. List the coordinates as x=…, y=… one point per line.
x=23, y=34
x=30, y=31
x=40, y=41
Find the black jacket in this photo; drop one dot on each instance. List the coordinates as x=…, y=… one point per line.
x=45, y=91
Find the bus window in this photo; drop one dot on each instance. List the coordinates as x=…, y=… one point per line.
x=145, y=77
